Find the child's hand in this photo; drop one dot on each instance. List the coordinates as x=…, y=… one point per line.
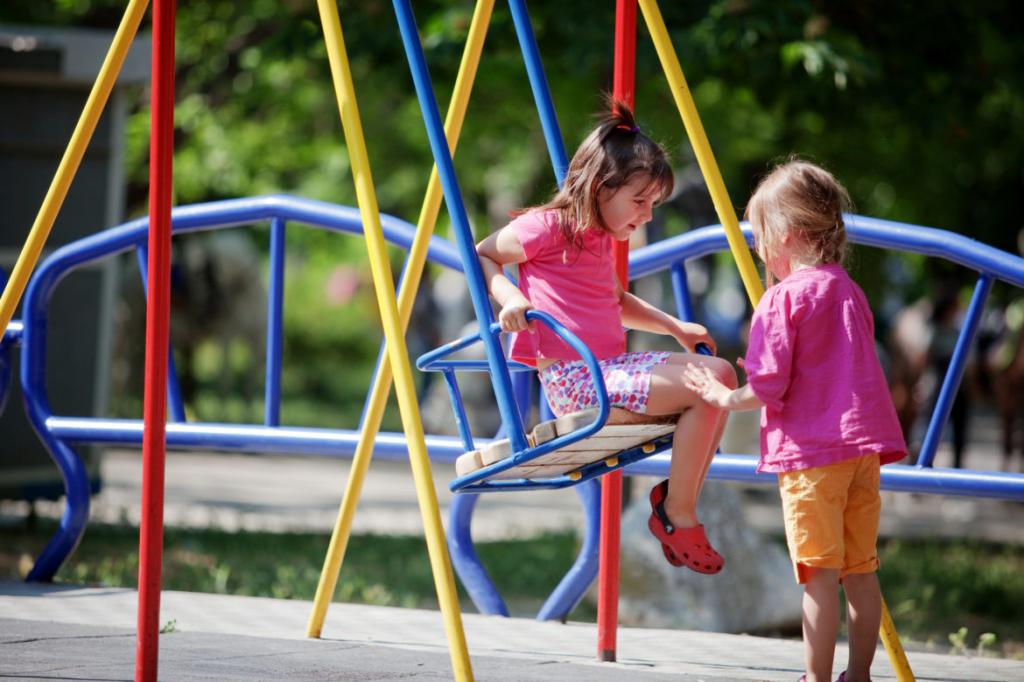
x=700, y=380
x=689, y=334
x=512, y=317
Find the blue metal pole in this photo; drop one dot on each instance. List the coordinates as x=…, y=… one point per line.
x=539, y=86
x=275, y=325
x=955, y=372
x=72, y=470
x=460, y=224
x=461, y=420
x=570, y=590
x=175, y=403
x=467, y=564
x=681, y=288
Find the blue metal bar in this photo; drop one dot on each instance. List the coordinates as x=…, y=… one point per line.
x=175, y=404
x=254, y=438
x=75, y=515
x=526, y=454
x=574, y=585
x=76, y=479
x=955, y=372
x=115, y=240
x=460, y=222
x=275, y=325
x=389, y=445
x=895, y=477
x=467, y=564
x=885, y=234
x=681, y=288
x=468, y=365
x=10, y=339
x=521, y=384
x=539, y=86
x=461, y=420
x=186, y=219
x=12, y=335
x=546, y=414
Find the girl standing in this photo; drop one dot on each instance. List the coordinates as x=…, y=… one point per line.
x=564, y=253
x=828, y=421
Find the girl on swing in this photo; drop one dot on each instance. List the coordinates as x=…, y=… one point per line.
x=564, y=253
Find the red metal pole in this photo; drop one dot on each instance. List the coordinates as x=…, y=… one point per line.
x=611, y=485
x=151, y=532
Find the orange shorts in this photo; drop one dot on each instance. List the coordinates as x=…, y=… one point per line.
x=831, y=514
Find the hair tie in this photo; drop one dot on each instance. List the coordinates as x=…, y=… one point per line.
x=632, y=129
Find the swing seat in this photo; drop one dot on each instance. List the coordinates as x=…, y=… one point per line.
x=623, y=431
x=590, y=443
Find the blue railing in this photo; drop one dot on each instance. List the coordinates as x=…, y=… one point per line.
x=60, y=434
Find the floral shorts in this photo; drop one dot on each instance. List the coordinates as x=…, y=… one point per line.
x=568, y=386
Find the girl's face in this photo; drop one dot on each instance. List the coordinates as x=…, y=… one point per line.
x=629, y=206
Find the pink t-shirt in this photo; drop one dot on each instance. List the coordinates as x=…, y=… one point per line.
x=575, y=286
x=811, y=360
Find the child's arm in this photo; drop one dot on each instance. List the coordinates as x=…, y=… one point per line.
x=500, y=249
x=703, y=382
x=640, y=315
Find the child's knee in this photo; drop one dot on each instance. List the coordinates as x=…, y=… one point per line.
x=818, y=576
x=856, y=583
x=724, y=372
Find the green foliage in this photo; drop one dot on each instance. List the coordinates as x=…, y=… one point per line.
x=918, y=131
x=959, y=641
x=937, y=587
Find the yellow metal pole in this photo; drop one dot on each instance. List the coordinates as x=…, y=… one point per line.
x=702, y=149
x=891, y=641
x=727, y=216
x=376, y=247
x=406, y=296
x=72, y=158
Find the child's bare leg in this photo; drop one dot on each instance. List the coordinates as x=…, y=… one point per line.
x=820, y=622
x=697, y=432
x=718, y=439
x=864, y=617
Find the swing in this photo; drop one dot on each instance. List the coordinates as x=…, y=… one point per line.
x=559, y=452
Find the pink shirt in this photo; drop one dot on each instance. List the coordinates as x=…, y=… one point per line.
x=811, y=360
x=575, y=286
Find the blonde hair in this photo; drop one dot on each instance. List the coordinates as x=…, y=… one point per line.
x=806, y=201
x=609, y=157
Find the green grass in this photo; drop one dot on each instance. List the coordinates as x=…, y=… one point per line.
x=378, y=569
x=933, y=588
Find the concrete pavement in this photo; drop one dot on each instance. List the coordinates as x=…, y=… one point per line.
x=72, y=633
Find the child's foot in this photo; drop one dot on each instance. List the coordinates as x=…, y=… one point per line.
x=842, y=677
x=682, y=546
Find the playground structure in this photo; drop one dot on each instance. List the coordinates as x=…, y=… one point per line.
x=61, y=433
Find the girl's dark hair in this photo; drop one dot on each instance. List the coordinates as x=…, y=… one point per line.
x=806, y=201
x=611, y=155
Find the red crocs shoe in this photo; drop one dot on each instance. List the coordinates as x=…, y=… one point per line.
x=682, y=546
x=658, y=494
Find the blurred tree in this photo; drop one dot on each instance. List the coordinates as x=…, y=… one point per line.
x=917, y=108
